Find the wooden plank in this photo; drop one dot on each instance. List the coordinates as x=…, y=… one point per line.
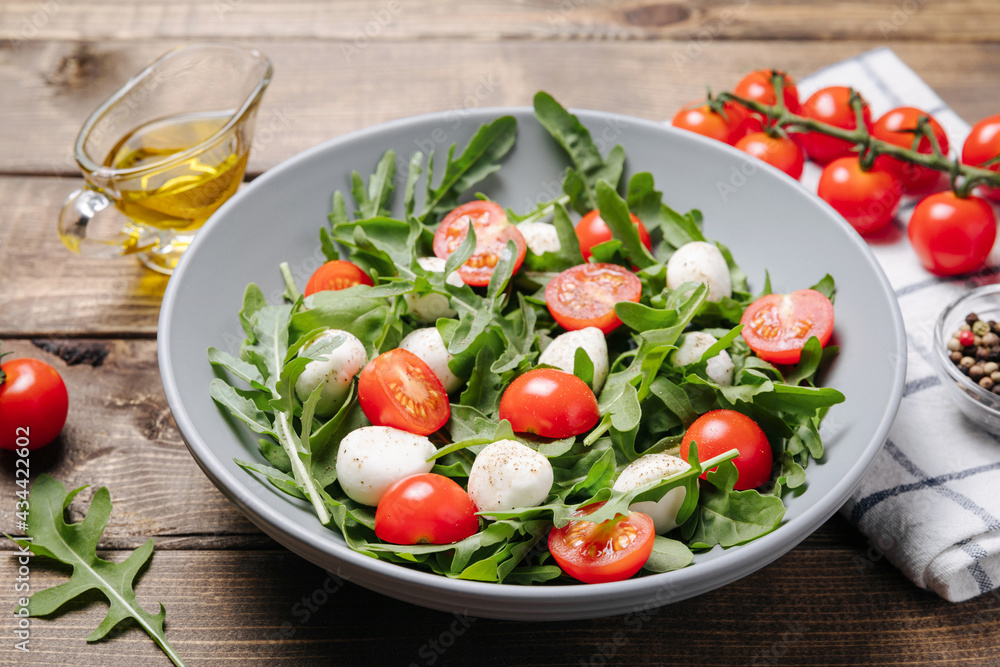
x=272, y=608
x=353, y=21
x=319, y=92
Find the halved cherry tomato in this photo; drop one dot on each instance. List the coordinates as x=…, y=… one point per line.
x=777, y=326
x=952, y=235
x=983, y=145
x=336, y=275
x=780, y=152
x=867, y=199
x=425, y=509
x=33, y=404
x=758, y=86
x=592, y=230
x=718, y=431
x=397, y=388
x=596, y=553
x=550, y=403
x=585, y=295
x=896, y=127
x=492, y=233
x=701, y=118
x=833, y=106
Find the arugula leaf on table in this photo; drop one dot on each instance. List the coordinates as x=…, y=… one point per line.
x=75, y=544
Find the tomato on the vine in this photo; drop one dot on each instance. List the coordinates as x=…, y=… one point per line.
x=425, y=509
x=777, y=326
x=397, y=388
x=700, y=117
x=592, y=230
x=337, y=274
x=759, y=87
x=33, y=404
x=982, y=146
x=595, y=553
x=719, y=431
x=778, y=151
x=897, y=127
x=952, y=235
x=867, y=199
x=492, y=233
x=585, y=295
x=550, y=403
x=832, y=106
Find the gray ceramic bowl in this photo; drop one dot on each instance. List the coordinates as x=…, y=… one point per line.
x=765, y=218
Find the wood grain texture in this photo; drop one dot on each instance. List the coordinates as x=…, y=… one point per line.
x=816, y=607
x=320, y=92
x=354, y=21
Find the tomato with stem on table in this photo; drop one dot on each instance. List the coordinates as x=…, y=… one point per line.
x=950, y=234
x=832, y=106
x=777, y=326
x=33, y=404
x=585, y=295
x=493, y=230
x=595, y=553
x=397, y=388
x=426, y=508
x=777, y=150
x=898, y=127
x=983, y=146
x=759, y=87
x=592, y=230
x=550, y=403
x=702, y=118
x=337, y=274
x=867, y=198
x=719, y=431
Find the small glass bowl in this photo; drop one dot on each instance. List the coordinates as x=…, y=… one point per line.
x=980, y=405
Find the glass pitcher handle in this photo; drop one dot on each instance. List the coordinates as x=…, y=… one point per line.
x=80, y=208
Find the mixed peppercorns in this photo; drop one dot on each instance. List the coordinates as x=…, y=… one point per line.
x=975, y=350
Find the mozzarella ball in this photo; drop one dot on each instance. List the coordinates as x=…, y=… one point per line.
x=700, y=262
x=373, y=458
x=429, y=346
x=541, y=237
x=507, y=475
x=646, y=470
x=561, y=353
x=719, y=368
x=335, y=370
x=429, y=307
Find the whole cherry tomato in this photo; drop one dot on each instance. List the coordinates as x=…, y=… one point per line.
x=592, y=230
x=596, y=553
x=867, y=199
x=33, y=404
x=337, y=274
x=896, y=127
x=952, y=235
x=759, y=87
x=550, y=403
x=777, y=151
x=425, y=509
x=832, y=106
x=701, y=118
x=718, y=431
x=983, y=145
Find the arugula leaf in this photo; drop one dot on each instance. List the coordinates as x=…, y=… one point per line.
x=727, y=517
x=615, y=213
x=76, y=545
x=567, y=256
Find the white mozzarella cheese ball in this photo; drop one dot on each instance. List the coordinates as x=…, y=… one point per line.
x=429, y=346
x=719, y=368
x=335, y=370
x=700, y=262
x=429, y=307
x=561, y=353
x=373, y=458
x=541, y=237
x=507, y=475
x=647, y=470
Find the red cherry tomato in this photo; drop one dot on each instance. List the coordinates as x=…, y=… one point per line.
x=33, y=404
x=592, y=230
x=397, y=388
x=830, y=105
x=492, y=233
x=596, y=553
x=701, y=118
x=777, y=326
x=550, y=403
x=952, y=235
x=983, y=145
x=758, y=86
x=867, y=199
x=585, y=295
x=718, y=431
x=337, y=275
x=425, y=509
x=780, y=152
x=892, y=127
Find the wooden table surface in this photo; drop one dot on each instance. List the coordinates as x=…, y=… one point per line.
x=233, y=596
